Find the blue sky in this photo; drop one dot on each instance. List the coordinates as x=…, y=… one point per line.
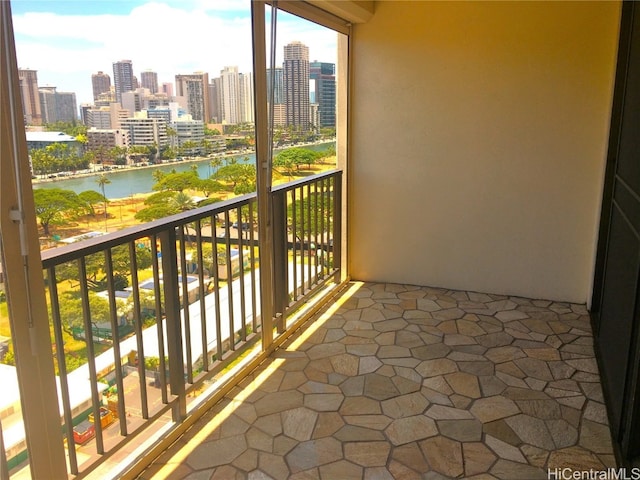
x=67, y=41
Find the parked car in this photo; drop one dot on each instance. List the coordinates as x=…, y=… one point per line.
x=245, y=226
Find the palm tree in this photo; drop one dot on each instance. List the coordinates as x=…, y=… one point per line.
x=216, y=163
x=183, y=202
x=103, y=180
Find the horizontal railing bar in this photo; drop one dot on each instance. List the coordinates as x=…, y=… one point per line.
x=65, y=253
x=303, y=181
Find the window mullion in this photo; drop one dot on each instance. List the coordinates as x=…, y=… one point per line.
x=24, y=276
x=265, y=227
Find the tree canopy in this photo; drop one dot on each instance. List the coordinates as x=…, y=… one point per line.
x=178, y=181
x=53, y=205
x=91, y=198
x=295, y=157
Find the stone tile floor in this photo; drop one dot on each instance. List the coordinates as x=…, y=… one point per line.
x=404, y=382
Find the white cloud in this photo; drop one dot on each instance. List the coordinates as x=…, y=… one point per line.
x=167, y=38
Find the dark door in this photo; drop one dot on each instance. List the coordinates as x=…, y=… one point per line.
x=616, y=302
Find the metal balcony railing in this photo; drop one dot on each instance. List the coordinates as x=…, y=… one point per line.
x=146, y=320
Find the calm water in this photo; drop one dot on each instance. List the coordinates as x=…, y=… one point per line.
x=125, y=183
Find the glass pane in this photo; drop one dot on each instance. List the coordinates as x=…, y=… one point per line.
x=301, y=83
x=153, y=116
x=119, y=95
x=302, y=79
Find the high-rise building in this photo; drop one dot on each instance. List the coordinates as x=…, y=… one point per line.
x=101, y=83
x=214, y=100
x=296, y=84
x=323, y=79
x=84, y=112
x=30, y=96
x=246, y=97
x=149, y=80
x=123, y=78
x=230, y=95
x=278, y=85
x=57, y=106
x=99, y=117
x=167, y=89
x=195, y=88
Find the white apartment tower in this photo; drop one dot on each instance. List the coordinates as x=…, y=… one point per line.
x=230, y=95
x=246, y=98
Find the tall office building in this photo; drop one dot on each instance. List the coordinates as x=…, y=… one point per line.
x=195, y=89
x=57, y=106
x=101, y=83
x=30, y=96
x=149, y=80
x=123, y=78
x=296, y=84
x=323, y=79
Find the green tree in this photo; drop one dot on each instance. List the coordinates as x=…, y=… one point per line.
x=319, y=215
x=210, y=133
x=158, y=175
x=103, y=180
x=285, y=165
x=208, y=186
x=73, y=315
x=216, y=163
x=122, y=261
x=183, y=202
x=70, y=128
x=118, y=155
x=297, y=156
x=138, y=152
x=178, y=182
x=91, y=198
x=237, y=173
x=158, y=205
x=53, y=205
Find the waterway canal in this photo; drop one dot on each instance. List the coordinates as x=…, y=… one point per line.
x=130, y=181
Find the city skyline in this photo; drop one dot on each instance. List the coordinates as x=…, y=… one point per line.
x=67, y=42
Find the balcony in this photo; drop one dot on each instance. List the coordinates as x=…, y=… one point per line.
x=476, y=148
x=382, y=381
x=396, y=381
x=172, y=308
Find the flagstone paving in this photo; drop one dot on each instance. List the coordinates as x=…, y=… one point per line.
x=406, y=382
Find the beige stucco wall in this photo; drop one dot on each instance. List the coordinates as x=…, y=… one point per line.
x=478, y=138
